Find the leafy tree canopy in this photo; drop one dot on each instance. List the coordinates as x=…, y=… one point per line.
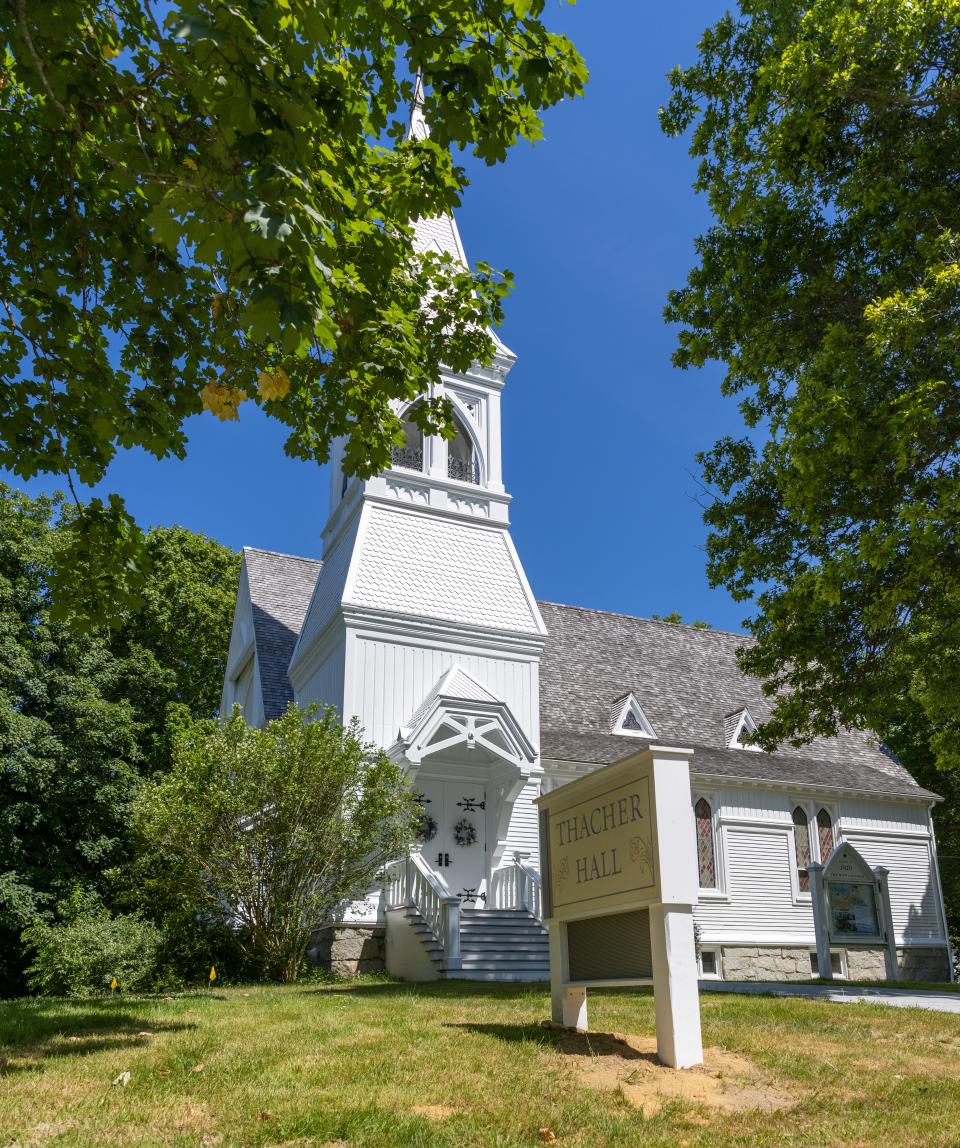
x=84, y=718
x=206, y=203
x=270, y=830
x=828, y=140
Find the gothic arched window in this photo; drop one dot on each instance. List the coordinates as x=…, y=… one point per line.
x=801, y=845
x=706, y=848
x=824, y=835
x=462, y=462
x=410, y=455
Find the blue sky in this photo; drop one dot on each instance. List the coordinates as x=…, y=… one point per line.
x=597, y=222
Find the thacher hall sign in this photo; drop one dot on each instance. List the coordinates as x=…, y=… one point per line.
x=618, y=859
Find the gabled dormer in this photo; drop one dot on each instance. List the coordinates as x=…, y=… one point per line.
x=629, y=718
x=737, y=726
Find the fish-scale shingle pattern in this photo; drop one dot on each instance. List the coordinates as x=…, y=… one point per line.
x=436, y=233
x=280, y=589
x=688, y=682
x=438, y=569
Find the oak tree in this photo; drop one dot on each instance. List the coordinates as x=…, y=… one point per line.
x=827, y=135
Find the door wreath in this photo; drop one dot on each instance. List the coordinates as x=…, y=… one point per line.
x=426, y=827
x=465, y=832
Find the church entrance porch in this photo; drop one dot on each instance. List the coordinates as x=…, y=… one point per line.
x=453, y=836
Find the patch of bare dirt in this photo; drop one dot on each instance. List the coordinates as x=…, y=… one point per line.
x=726, y=1081
x=433, y=1111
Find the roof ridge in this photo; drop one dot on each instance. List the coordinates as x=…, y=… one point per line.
x=281, y=554
x=649, y=621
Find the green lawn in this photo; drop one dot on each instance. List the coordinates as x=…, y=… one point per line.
x=455, y=1064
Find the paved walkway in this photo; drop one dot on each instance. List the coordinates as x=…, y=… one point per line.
x=842, y=994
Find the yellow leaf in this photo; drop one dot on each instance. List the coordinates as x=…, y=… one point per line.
x=188, y=162
x=273, y=384
x=222, y=400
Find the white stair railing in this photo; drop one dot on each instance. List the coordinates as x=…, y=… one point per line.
x=517, y=886
x=411, y=882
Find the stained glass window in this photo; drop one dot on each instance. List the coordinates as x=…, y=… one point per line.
x=705, y=846
x=631, y=721
x=825, y=835
x=801, y=844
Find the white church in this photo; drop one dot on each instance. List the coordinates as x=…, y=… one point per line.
x=420, y=621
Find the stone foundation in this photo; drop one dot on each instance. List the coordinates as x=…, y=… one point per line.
x=780, y=963
x=918, y=964
x=765, y=963
x=867, y=964
x=349, y=949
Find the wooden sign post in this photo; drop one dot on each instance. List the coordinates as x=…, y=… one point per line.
x=618, y=859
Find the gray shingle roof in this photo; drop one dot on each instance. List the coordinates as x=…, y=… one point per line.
x=280, y=589
x=709, y=761
x=687, y=681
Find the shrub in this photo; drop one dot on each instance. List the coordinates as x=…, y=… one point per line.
x=82, y=953
x=268, y=831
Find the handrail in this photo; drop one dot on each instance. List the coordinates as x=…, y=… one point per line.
x=517, y=886
x=411, y=882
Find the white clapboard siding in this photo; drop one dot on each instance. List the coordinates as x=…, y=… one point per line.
x=387, y=681
x=914, y=897
x=760, y=903
x=523, y=834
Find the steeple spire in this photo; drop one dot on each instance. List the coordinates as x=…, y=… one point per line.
x=418, y=121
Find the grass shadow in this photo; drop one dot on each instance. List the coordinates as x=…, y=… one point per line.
x=453, y=990
x=49, y=1030
x=512, y=1033
x=565, y=1040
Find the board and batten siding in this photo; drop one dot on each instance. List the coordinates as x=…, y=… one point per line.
x=324, y=685
x=387, y=680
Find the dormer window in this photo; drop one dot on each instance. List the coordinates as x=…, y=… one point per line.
x=629, y=718
x=462, y=463
x=410, y=455
x=737, y=726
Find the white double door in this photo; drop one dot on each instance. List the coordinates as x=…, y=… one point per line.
x=454, y=841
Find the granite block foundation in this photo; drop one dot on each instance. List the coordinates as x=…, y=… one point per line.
x=781, y=963
x=349, y=949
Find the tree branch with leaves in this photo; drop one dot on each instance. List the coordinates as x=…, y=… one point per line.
x=213, y=206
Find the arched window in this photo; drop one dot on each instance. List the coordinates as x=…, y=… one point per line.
x=706, y=850
x=410, y=455
x=824, y=835
x=801, y=845
x=462, y=462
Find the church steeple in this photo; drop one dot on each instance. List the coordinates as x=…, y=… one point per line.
x=460, y=476
x=419, y=570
